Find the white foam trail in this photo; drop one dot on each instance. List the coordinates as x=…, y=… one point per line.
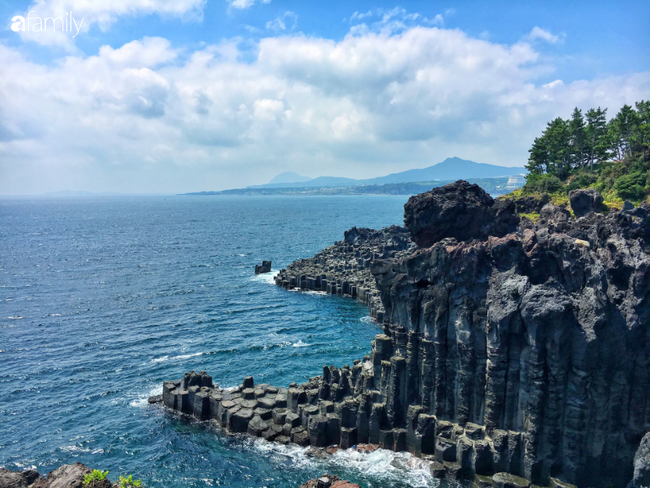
x=268, y=278
x=301, y=344
x=367, y=320
x=182, y=356
x=143, y=400
x=387, y=467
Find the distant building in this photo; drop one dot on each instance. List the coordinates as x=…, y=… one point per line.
x=515, y=182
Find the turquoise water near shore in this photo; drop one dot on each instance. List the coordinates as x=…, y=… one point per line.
x=101, y=299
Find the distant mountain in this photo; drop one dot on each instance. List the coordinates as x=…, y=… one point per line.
x=289, y=177
x=450, y=169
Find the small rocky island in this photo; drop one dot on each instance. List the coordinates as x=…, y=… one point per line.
x=513, y=352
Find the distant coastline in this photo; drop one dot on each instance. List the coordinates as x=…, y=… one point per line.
x=493, y=186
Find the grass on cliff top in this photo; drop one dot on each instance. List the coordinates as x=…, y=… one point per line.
x=616, y=181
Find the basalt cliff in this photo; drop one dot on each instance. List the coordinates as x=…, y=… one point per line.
x=513, y=352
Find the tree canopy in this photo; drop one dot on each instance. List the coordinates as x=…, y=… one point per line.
x=584, y=141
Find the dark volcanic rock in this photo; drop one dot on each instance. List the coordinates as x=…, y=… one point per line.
x=457, y=210
x=329, y=481
x=18, y=479
x=67, y=476
x=519, y=350
x=544, y=332
x=585, y=201
x=531, y=204
x=642, y=463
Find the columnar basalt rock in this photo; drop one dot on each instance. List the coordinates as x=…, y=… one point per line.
x=522, y=356
x=344, y=268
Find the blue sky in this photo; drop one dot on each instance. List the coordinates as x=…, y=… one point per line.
x=187, y=95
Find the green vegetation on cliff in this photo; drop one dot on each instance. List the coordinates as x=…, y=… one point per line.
x=590, y=152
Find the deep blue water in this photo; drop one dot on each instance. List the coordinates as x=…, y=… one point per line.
x=101, y=299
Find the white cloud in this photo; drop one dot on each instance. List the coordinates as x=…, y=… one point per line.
x=286, y=21
x=241, y=4
x=244, y=4
x=143, y=118
x=103, y=13
x=540, y=34
x=393, y=20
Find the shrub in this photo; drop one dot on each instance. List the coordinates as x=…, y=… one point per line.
x=631, y=186
x=129, y=483
x=96, y=475
x=581, y=180
x=546, y=183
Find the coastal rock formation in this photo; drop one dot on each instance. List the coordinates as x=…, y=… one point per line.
x=66, y=476
x=457, y=210
x=585, y=201
x=329, y=481
x=509, y=355
x=265, y=267
x=642, y=463
x=344, y=268
x=18, y=479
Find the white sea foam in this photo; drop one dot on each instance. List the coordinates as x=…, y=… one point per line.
x=367, y=320
x=386, y=466
x=266, y=277
x=142, y=400
x=300, y=344
x=172, y=358
x=74, y=449
x=15, y=317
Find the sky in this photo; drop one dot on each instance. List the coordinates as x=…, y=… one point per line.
x=173, y=96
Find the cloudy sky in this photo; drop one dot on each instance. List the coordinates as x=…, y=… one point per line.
x=167, y=96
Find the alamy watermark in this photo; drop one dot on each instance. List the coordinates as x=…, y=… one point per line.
x=39, y=24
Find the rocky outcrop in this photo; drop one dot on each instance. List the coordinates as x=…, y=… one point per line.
x=586, y=201
x=344, y=268
x=265, y=267
x=18, y=479
x=642, y=464
x=508, y=355
x=457, y=210
x=67, y=476
x=329, y=481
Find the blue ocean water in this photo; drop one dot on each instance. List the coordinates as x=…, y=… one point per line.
x=101, y=299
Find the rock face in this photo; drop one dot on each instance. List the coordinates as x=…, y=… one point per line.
x=344, y=268
x=18, y=479
x=457, y=210
x=544, y=332
x=265, y=267
x=525, y=353
x=329, y=481
x=67, y=476
x=642, y=463
x=585, y=201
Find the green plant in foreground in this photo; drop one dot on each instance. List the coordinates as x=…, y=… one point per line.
x=129, y=483
x=96, y=475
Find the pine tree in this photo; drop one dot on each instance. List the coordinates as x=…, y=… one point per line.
x=620, y=132
x=640, y=133
x=577, y=139
x=596, y=140
x=550, y=153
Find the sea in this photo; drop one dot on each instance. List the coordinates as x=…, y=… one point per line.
x=104, y=298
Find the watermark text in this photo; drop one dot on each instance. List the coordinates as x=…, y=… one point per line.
x=67, y=23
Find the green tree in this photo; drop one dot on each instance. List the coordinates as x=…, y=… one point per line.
x=596, y=140
x=640, y=132
x=577, y=139
x=550, y=153
x=620, y=132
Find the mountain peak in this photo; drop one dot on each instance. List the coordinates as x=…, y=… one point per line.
x=289, y=177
